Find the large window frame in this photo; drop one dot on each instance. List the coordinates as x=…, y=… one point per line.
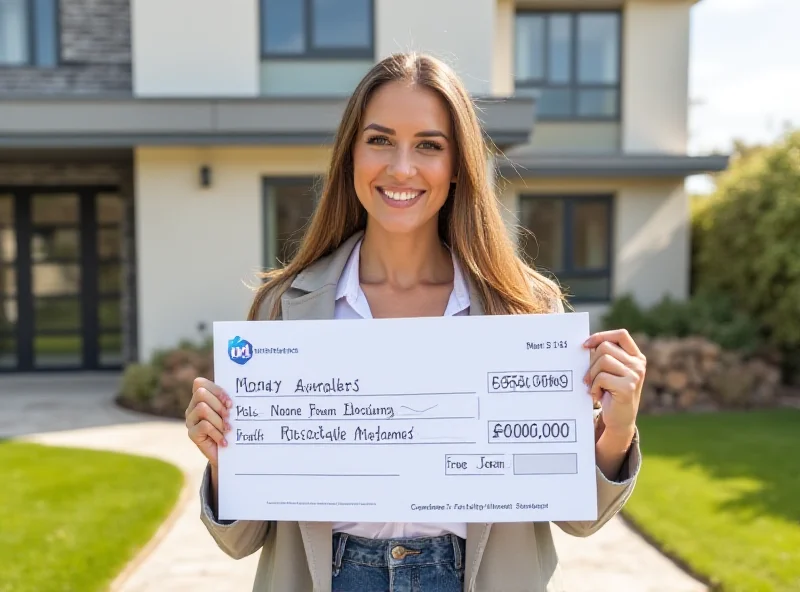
x=574, y=86
x=570, y=201
x=34, y=57
x=313, y=52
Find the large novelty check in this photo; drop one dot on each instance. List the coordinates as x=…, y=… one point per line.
x=447, y=419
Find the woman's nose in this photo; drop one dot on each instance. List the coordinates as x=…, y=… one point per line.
x=402, y=165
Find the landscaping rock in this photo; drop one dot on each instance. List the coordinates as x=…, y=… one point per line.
x=694, y=374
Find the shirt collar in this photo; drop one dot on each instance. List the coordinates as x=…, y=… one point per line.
x=349, y=286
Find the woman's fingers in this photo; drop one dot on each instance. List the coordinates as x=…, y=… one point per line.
x=203, y=397
x=619, y=336
x=201, y=386
x=607, y=364
x=204, y=412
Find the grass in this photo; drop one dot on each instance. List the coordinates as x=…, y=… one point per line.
x=72, y=519
x=721, y=493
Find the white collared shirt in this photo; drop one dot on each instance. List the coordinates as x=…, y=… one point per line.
x=351, y=303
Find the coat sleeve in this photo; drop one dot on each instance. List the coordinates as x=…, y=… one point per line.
x=611, y=494
x=238, y=538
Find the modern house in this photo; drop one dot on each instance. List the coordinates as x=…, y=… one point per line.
x=155, y=155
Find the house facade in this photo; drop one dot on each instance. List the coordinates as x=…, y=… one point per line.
x=155, y=155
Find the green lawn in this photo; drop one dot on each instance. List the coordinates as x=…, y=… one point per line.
x=72, y=519
x=721, y=492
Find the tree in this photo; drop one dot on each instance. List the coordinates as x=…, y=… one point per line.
x=747, y=238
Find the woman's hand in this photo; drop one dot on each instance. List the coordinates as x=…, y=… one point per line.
x=615, y=377
x=206, y=418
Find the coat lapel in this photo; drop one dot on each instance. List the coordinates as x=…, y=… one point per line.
x=477, y=532
x=313, y=296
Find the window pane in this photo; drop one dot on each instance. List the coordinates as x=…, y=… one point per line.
x=57, y=314
x=283, y=26
x=555, y=102
x=559, y=56
x=590, y=234
x=110, y=208
x=598, y=288
x=46, y=35
x=55, y=243
x=295, y=78
x=529, y=41
x=8, y=244
x=8, y=281
x=6, y=207
x=109, y=279
x=111, y=349
x=110, y=314
x=109, y=243
x=597, y=103
x=58, y=350
x=56, y=279
x=288, y=210
x=55, y=209
x=342, y=24
x=545, y=219
x=14, y=41
x=8, y=316
x=8, y=352
x=598, y=48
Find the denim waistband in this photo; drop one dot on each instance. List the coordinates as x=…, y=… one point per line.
x=448, y=548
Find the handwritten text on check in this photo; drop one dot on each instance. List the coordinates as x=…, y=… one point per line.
x=454, y=419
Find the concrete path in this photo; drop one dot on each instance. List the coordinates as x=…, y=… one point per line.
x=79, y=411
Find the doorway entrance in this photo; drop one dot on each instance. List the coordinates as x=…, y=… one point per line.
x=60, y=278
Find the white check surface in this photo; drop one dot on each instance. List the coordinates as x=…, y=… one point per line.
x=447, y=419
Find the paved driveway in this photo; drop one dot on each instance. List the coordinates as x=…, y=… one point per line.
x=78, y=410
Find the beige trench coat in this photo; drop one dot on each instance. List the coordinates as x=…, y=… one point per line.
x=501, y=557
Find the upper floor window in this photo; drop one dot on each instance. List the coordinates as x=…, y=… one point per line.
x=573, y=240
x=315, y=47
x=573, y=60
x=28, y=33
x=328, y=29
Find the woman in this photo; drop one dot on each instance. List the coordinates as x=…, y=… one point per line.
x=407, y=226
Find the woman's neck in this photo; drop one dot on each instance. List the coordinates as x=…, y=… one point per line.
x=404, y=260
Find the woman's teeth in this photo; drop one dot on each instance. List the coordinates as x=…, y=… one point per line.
x=402, y=196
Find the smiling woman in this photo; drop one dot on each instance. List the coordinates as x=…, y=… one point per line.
x=408, y=226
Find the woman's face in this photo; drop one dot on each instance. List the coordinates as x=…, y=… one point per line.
x=404, y=157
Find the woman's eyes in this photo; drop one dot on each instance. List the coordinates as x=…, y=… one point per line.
x=384, y=141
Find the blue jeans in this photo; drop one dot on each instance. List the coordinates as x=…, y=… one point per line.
x=431, y=564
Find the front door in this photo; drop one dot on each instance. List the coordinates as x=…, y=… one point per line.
x=60, y=278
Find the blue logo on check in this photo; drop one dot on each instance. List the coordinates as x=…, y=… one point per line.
x=240, y=350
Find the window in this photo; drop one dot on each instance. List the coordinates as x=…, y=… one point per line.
x=572, y=241
x=29, y=33
x=572, y=60
x=327, y=29
x=288, y=207
x=315, y=47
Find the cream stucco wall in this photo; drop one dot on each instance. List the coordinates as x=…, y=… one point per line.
x=650, y=232
x=198, y=249
x=461, y=36
x=655, y=76
x=195, y=47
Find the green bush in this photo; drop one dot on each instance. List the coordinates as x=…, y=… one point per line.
x=747, y=239
x=139, y=382
x=711, y=316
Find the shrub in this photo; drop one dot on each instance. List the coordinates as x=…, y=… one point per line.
x=711, y=316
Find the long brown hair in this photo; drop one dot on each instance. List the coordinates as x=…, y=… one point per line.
x=470, y=222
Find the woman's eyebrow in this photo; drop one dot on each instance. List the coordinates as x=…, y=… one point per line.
x=391, y=132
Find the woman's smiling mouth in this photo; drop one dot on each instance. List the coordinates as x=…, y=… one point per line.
x=400, y=198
